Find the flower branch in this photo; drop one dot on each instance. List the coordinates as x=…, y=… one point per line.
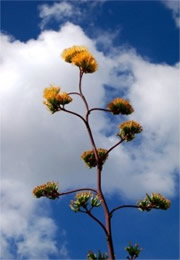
x=114, y=146
x=98, y=109
x=77, y=190
x=88, y=212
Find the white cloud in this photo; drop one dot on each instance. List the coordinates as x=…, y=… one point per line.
x=25, y=225
x=38, y=147
x=174, y=6
x=58, y=12
x=69, y=11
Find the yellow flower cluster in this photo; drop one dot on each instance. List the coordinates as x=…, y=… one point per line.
x=69, y=53
x=90, y=160
x=51, y=92
x=55, y=98
x=81, y=57
x=120, y=106
x=128, y=130
x=49, y=190
x=156, y=201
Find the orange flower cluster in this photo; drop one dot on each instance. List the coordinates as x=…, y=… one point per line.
x=54, y=99
x=120, y=106
x=81, y=57
x=90, y=160
x=128, y=130
x=156, y=200
x=49, y=190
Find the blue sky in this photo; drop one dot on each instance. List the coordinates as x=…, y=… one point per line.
x=136, y=46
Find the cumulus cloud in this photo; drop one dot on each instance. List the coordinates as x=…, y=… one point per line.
x=26, y=229
x=39, y=144
x=174, y=6
x=38, y=147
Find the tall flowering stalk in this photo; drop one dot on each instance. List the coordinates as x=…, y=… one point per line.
x=87, y=199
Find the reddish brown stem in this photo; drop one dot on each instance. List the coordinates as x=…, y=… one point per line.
x=74, y=93
x=99, y=189
x=107, y=227
x=74, y=113
x=99, y=109
x=131, y=206
x=77, y=190
x=114, y=146
x=88, y=212
x=123, y=206
x=86, y=121
x=80, y=89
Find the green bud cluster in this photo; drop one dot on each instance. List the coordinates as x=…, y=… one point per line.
x=100, y=256
x=156, y=201
x=83, y=199
x=133, y=251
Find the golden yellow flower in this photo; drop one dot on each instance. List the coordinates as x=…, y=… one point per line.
x=51, y=92
x=65, y=98
x=81, y=57
x=49, y=190
x=69, y=53
x=132, y=125
x=89, y=157
x=55, y=98
x=85, y=61
x=128, y=130
x=120, y=106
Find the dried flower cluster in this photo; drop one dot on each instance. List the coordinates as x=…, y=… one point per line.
x=83, y=199
x=120, y=106
x=156, y=201
x=128, y=130
x=90, y=160
x=54, y=99
x=81, y=57
x=49, y=190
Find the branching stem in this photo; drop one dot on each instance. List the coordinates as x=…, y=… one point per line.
x=114, y=146
x=88, y=212
x=98, y=109
x=131, y=206
x=77, y=190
